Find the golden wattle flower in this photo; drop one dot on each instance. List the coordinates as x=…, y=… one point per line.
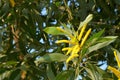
x=114, y=70
x=76, y=41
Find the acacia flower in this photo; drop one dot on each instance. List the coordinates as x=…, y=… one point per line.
x=114, y=70
x=74, y=42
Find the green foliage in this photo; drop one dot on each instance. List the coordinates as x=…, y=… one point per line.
x=95, y=73
x=67, y=74
x=51, y=57
x=102, y=42
x=27, y=52
x=93, y=44
x=53, y=31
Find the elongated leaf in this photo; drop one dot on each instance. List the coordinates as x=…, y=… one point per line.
x=65, y=75
x=94, y=38
x=86, y=21
x=95, y=73
x=51, y=57
x=66, y=28
x=106, y=41
x=9, y=63
x=88, y=18
x=15, y=75
x=1, y=55
x=54, y=31
x=4, y=75
x=91, y=74
x=50, y=73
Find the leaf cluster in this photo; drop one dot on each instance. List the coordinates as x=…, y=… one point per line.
x=27, y=52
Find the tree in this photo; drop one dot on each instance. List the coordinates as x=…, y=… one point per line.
x=29, y=30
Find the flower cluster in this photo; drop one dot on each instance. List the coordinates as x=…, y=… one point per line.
x=76, y=41
x=114, y=70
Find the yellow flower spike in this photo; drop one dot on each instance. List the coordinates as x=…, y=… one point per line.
x=82, y=31
x=74, y=38
x=117, y=59
x=72, y=57
x=74, y=41
x=63, y=41
x=68, y=52
x=64, y=49
x=115, y=71
x=12, y=2
x=74, y=49
x=77, y=50
x=68, y=48
x=84, y=39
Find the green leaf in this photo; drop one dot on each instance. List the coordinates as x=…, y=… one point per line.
x=51, y=57
x=92, y=73
x=68, y=30
x=88, y=18
x=1, y=55
x=49, y=72
x=9, y=63
x=91, y=41
x=94, y=38
x=2, y=70
x=15, y=75
x=86, y=21
x=5, y=75
x=105, y=41
x=65, y=75
x=95, y=73
x=54, y=31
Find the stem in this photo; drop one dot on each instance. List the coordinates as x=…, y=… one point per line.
x=78, y=66
x=68, y=10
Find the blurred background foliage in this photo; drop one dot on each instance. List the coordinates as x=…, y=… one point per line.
x=23, y=41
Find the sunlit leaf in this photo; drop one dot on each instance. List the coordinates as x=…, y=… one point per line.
x=54, y=31
x=51, y=57
x=9, y=63
x=105, y=41
x=4, y=75
x=2, y=55
x=23, y=41
x=86, y=21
